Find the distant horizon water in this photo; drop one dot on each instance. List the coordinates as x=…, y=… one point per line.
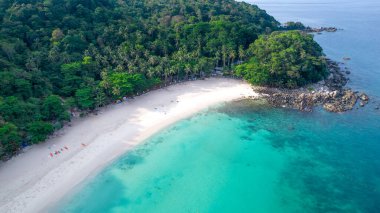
x=246, y=156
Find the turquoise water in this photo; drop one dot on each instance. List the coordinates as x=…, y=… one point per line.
x=245, y=157
x=248, y=157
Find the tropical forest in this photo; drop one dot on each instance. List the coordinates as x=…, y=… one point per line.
x=60, y=55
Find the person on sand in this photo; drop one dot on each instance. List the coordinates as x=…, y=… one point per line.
x=84, y=145
x=51, y=154
x=66, y=147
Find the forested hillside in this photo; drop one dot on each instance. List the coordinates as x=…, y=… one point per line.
x=289, y=59
x=60, y=54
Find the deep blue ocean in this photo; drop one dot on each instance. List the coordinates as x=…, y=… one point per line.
x=245, y=156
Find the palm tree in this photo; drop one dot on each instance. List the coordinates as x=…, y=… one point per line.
x=152, y=60
x=171, y=71
x=232, y=56
x=217, y=57
x=199, y=48
x=151, y=72
x=187, y=69
x=224, y=54
x=241, y=53
x=197, y=69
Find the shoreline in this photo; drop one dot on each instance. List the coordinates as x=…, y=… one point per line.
x=32, y=181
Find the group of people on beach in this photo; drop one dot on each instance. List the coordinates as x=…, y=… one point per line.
x=59, y=151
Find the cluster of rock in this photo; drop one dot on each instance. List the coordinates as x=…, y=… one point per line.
x=345, y=101
x=330, y=93
x=321, y=29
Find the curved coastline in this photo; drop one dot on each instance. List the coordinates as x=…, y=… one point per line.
x=33, y=180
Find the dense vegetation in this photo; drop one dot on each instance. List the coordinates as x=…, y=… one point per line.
x=294, y=26
x=284, y=59
x=57, y=55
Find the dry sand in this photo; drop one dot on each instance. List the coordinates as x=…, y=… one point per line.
x=33, y=180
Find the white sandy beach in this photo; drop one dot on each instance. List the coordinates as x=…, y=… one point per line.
x=34, y=180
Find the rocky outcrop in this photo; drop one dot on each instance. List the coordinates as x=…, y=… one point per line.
x=346, y=58
x=330, y=94
x=343, y=102
x=333, y=101
x=337, y=78
x=321, y=29
x=364, y=97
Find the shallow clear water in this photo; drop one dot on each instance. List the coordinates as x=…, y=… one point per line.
x=245, y=157
x=248, y=157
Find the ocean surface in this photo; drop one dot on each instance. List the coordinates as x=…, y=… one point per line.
x=245, y=156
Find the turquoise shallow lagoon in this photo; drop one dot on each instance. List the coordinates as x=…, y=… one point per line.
x=245, y=157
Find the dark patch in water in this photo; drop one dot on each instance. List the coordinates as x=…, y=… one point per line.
x=158, y=140
x=252, y=120
x=148, y=194
x=142, y=151
x=291, y=128
x=271, y=129
x=252, y=127
x=246, y=138
x=130, y=160
x=243, y=107
x=328, y=184
x=95, y=195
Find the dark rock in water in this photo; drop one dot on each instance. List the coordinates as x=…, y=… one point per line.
x=346, y=58
x=348, y=72
x=336, y=80
x=364, y=97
